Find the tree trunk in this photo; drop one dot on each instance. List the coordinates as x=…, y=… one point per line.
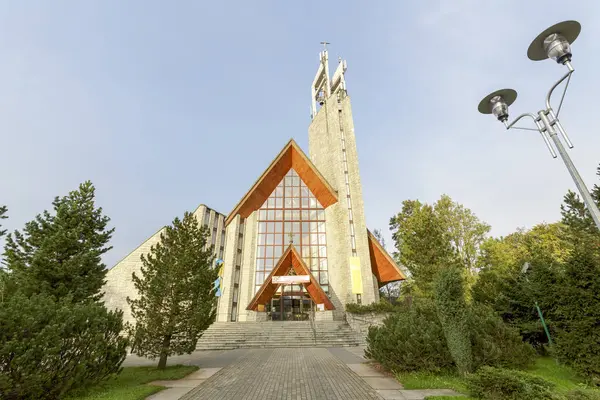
x=162, y=362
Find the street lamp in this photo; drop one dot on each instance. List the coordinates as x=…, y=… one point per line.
x=555, y=43
x=537, y=307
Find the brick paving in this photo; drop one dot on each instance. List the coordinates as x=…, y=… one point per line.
x=285, y=374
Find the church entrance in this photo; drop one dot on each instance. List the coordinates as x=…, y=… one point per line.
x=290, y=303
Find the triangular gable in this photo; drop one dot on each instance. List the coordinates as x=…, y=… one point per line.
x=291, y=156
x=290, y=260
x=383, y=265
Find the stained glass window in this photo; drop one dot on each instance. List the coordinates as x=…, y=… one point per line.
x=292, y=214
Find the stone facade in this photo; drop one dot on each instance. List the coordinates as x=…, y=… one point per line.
x=119, y=282
x=325, y=149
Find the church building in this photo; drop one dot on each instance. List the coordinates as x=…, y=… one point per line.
x=296, y=246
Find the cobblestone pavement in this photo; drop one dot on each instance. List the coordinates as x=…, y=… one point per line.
x=284, y=374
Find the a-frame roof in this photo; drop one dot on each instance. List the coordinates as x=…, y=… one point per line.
x=290, y=260
x=382, y=264
x=291, y=156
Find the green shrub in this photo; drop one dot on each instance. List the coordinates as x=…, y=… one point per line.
x=491, y=383
x=579, y=394
x=410, y=340
x=49, y=347
x=381, y=307
x=495, y=343
x=452, y=312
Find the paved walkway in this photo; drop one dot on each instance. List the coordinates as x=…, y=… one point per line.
x=280, y=374
x=283, y=374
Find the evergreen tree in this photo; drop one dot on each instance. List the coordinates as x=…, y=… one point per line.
x=60, y=253
x=575, y=214
x=3, y=215
x=176, y=301
x=453, y=313
x=3, y=275
x=54, y=334
x=49, y=347
x=577, y=315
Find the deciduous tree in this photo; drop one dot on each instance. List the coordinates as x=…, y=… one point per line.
x=431, y=237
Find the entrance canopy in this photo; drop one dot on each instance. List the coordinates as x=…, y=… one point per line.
x=290, y=260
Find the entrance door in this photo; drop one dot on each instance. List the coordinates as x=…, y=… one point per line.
x=291, y=304
x=276, y=314
x=288, y=308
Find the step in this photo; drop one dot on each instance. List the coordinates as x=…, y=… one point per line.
x=275, y=334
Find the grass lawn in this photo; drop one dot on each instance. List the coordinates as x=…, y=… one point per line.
x=131, y=383
x=564, y=378
x=429, y=380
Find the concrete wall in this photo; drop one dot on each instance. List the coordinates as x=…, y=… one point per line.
x=119, y=282
x=231, y=246
x=360, y=323
x=248, y=268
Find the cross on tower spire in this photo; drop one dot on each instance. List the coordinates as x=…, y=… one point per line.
x=325, y=45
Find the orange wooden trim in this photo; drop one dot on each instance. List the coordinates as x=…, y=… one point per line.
x=291, y=156
x=383, y=265
x=290, y=259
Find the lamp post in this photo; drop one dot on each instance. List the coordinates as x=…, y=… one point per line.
x=537, y=307
x=555, y=43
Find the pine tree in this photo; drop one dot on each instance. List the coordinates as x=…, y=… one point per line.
x=576, y=215
x=3, y=215
x=60, y=253
x=3, y=274
x=578, y=312
x=176, y=301
x=54, y=333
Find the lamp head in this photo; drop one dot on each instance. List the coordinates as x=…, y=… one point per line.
x=497, y=103
x=555, y=42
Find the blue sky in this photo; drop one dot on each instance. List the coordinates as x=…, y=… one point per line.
x=166, y=105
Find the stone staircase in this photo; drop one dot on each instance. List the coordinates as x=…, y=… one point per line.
x=274, y=334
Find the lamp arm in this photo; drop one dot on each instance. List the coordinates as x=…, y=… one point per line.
x=519, y=118
x=540, y=129
x=567, y=75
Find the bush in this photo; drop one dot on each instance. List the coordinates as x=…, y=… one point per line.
x=495, y=343
x=410, y=340
x=578, y=394
x=491, y=383
x=49, y=347
x=452, y=312
x=381, y=307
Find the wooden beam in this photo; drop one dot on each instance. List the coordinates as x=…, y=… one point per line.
x=291, y=156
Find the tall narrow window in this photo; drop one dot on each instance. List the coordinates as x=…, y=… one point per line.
x=292, y=214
